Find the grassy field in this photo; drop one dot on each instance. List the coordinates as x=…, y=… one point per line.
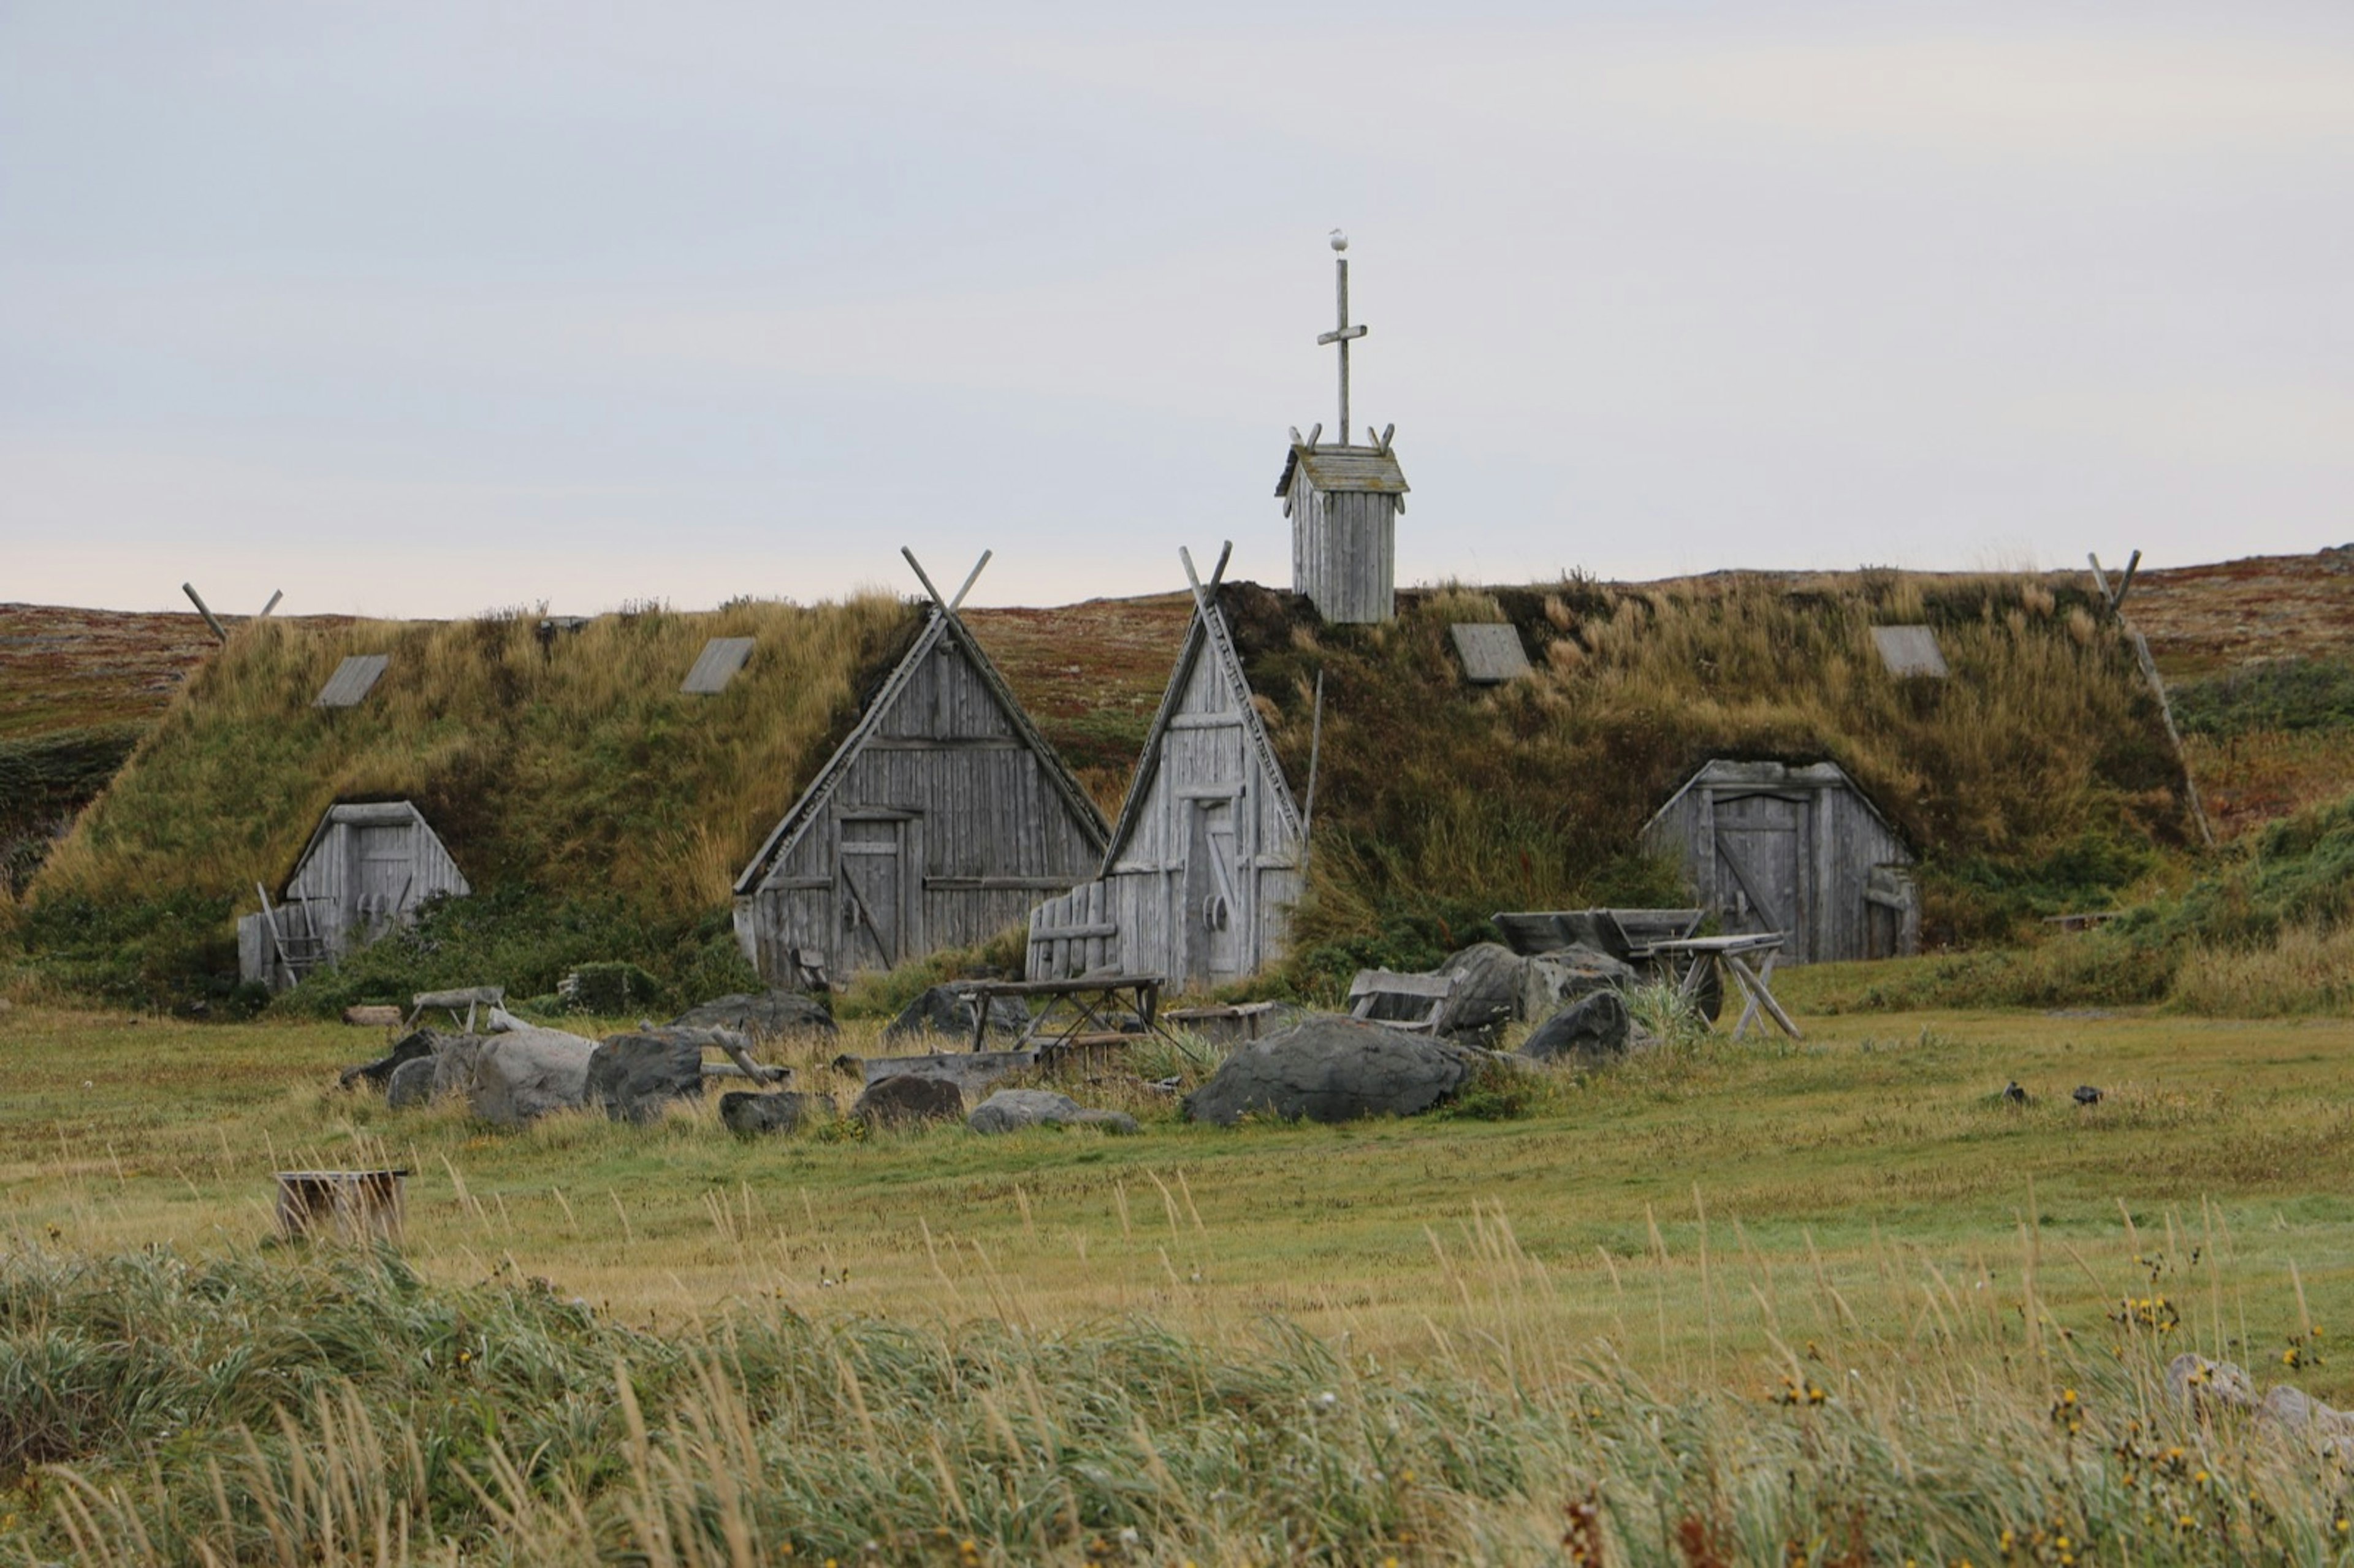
x=1873, y=1157
x=1410, y=1341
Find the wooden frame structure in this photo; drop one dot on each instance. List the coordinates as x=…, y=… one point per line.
x=365, y=868
x=1797, y=849
x=1205, y=860
x=937, y=824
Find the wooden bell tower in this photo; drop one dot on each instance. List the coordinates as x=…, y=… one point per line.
x=1344, y=499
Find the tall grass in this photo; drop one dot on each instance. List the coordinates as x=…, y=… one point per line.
x=573, y=764
x=336, y=1409
x=2267, y=934
x=2044, y=750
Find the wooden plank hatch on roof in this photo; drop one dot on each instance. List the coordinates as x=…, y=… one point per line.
x=353, y=680
x=1910, y=651
x=716, y=665
x=1491, y=655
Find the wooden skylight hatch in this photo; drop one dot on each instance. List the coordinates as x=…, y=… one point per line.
x=1910, y=651
x=1491, y=653
x=716, y=665
x=353, y=680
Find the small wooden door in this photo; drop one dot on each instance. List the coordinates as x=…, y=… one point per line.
x=1764, y=850
x=872, y=872
x=385, y=870
x=1213, y=915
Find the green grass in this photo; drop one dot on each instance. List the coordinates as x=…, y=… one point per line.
x=1039, y=1342
x=572, y=775
x=2268, y=932
x=2288, y=695
x=2037, y=778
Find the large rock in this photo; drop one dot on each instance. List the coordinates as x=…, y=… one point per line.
x=1010, y=1110
x=1333, y=1069
x=453, y=1063
x=2195, y=1381
x=527, y=1073
x=905, y=1100
x=779, y=1013
x=411, y=1047
x=633, y=1076
x=942, y=1011
x=970, y=1071
x=411, y=1083
x=749, y=1114
x=1591, y=1032
x=1550, y=981
x=1487, y=994
x=2293, y=1412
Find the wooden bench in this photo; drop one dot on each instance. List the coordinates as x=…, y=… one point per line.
x=1372, y=986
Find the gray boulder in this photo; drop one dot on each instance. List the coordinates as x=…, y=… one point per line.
x=749, y=1114
x=453, y=1063
x=411, y=1047
x=1550, y=981
x=942, y=1011
x=2195, y=1381
x=1592, y=1031
x=2293, y=1412
x=634, y=1075
x=768, y=1017
x=1487, y=994
x=527, y=1073
x=1010, y=1110
x=1334, y=1069
x=411, y=1083
x=905, y=1100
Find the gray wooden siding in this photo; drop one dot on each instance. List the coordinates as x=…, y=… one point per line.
x=1770, y=847
x=1344, y=550
x=367, y=868
x=1199, y=887
x=941, y=827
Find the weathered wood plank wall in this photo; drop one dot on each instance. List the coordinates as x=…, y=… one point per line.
x=1770, y=847
x=940, y=828
x=1199, y=885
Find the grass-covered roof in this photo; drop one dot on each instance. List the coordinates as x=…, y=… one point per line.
x=2038, y=774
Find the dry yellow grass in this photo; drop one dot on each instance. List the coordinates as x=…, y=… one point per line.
x=575, y=761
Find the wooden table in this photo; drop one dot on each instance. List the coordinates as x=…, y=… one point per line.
x=1734, y=956
x=1102, y=1001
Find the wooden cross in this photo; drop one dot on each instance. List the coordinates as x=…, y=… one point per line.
x=1344, y=333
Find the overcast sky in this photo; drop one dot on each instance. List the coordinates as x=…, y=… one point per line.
x=421, y=309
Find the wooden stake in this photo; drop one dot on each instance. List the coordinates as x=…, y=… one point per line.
x=202, y=609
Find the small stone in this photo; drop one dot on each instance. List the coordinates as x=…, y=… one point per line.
x=768, y=1017
x=905, y=1100
x=411, y=1047
x=2195, y=1381
x=373, y=1016
x=1010, y=1110
x=1489, y=979
x=410, y=1084
x=1592, y=1031
x=633, y=1076
x=748, y=1114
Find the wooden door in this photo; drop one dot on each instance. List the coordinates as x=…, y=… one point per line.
x=385, y=870
x=872, y=872
x=1213, y=915
x=1763, y=853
